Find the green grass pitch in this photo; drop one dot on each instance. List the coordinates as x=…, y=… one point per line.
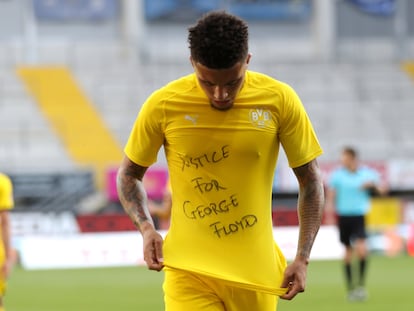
x=390, y=285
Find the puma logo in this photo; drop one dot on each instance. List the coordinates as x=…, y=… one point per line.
x=192, y=119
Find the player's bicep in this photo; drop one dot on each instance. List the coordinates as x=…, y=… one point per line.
x=308, y=173
x=130, y=169
x=129, y=181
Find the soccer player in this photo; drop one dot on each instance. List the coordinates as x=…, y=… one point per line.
x=6, y=257
x=161, y=211
x=221, y=127
x=348, y=196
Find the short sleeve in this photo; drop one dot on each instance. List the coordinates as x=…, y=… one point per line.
x=296, y=132
x=147, y=136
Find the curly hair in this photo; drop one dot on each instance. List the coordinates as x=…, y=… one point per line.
x=218, y=40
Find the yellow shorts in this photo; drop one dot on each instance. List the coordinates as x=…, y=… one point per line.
x=185, y=290
x=3, y=281
x=3, y=286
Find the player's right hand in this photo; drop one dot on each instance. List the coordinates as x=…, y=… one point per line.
x=153, y=256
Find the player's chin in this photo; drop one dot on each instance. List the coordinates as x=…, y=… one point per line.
x=222, y=105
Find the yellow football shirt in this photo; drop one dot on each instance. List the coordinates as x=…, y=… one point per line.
x=6, y=192
x=221, y=166
x=6, y=203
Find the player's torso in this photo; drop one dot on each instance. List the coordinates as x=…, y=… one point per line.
x=221, y=163
x=199, y=136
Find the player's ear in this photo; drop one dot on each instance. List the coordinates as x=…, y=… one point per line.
x=191, y=61
x=249, y=56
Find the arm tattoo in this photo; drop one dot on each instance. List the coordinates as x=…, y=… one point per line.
x=310, y=206
x=131, y=192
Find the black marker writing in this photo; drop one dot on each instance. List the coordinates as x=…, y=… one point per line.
x=245, y=222
x=206, y=158
x=206, y=186
x=213, y=208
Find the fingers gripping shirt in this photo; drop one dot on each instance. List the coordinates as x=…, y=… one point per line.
x=221, y=166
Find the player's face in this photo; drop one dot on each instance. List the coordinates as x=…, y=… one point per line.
x=348, y=160
x=221, y=85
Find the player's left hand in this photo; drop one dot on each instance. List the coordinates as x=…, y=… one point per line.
x=294, y=279
x=153, y=242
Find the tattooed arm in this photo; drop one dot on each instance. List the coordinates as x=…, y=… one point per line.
x=6, y=237
x=133, y=198
x=310, y=208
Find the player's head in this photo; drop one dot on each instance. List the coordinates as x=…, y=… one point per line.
x=219, y=54
x=218, y=40
x=349, y=157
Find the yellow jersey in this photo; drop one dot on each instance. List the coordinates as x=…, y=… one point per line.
x=6, y=193
x=221, y=166
x=6, y=203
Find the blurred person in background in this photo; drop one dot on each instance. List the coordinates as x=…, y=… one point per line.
x=348, y=200
x=221, y=127
x=161, y=211
x=6, y=253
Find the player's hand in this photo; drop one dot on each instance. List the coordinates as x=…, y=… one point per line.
x=294, y=279
x=368, y=185
x=7, y=267
x=4, y=272
x=153, y=256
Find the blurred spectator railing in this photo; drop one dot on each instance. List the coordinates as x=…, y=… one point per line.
x=51, y=192
x=248, y=9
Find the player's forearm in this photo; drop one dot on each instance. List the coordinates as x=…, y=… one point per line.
x=330, y=203
x=5, y=231
x=310, y=207
x=330, y=200
x=133, y=197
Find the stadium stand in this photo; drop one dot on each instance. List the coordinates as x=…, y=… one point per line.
x=72, y=117
x=51, y=192
x=361, y=97
x=25, y=134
